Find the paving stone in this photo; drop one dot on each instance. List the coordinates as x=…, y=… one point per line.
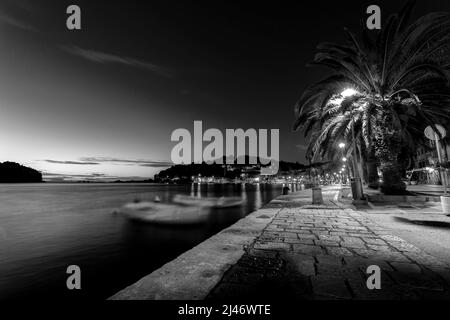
x=307, y=236
x=388, y=291
x=287, y=234
x=244, y=275
x=268, y=238
x=353, y=240
x=404, y=246
x=304, y=264
x=329, y=286
x=374, y=241
x=443, y=273
x=258, y=262
x=326, y=243
x=340, y=252
x=323, y=269
x=300, y=241
x=425, y=259
x=297, y=231
x=275, y=228
x=353, y=244
x=351, y=228
x=391, y=256
x=337, y=233
x=307, y=249
x=378, y=247
x=406, y=267
x=356, y=264
x=262, y=253
x=321, y=232
x=417, y=280
x=272, y=246
x=329, y=237
x=390, y=238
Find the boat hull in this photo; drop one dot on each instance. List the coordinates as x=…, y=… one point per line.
x=213, y=202
x=159, y=213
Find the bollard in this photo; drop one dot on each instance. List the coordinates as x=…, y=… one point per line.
x=317, y=195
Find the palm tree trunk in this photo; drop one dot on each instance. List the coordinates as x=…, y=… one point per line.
x=365, y=172
x=372, y=172
x=361, y=164
x=387, y=146
x=392, y=179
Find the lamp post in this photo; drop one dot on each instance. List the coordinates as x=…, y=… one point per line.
x=356, y=184
x=344, y=159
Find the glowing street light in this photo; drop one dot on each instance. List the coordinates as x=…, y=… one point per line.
x=341, y=145
x=348, y=92
x=344, y=159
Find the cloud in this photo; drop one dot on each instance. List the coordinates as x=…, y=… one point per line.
x=302, y=147
x=102, y=160
x=14, y=22
x=157, y=164
x=93, y=177
x=106, y=58
x=140, y=162
x=72, y=162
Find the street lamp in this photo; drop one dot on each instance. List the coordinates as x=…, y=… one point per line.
x=348, y=92
x=341, y=145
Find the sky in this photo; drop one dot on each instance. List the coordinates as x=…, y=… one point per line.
x=102, y=102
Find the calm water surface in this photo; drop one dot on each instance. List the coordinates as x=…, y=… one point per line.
x=46, y=227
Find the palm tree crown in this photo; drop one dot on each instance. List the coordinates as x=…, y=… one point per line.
x=388, y=85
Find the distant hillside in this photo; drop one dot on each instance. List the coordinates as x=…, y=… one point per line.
x=11, y=172
x=217, y=170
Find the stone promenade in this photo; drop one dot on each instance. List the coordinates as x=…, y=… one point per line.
x=322, y=252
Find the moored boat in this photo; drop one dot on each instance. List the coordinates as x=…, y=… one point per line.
x=164, y=213
x=213, y=202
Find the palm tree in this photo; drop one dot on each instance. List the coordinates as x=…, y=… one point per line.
x=398, y=82
x=342, y=121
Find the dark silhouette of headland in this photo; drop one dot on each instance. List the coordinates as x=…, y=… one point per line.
x=11, y=172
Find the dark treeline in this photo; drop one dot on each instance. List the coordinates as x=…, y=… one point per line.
x=11, y=172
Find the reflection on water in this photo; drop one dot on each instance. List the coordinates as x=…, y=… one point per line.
x=46, y=227
x=258, y=200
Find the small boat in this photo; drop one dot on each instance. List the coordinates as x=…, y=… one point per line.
x=164, y=213
x=213, y=202
x=194, y=201
x=229, y=202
